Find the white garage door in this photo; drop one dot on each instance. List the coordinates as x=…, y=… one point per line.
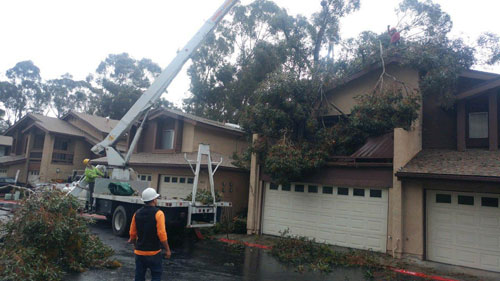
x=175, y=186
x=464, y=229
x=349, y=217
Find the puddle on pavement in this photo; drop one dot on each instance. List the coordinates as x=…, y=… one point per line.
x=249, y=263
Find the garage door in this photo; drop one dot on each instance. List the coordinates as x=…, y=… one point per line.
x=175, y=186
x=464, y=229
x=349, y=217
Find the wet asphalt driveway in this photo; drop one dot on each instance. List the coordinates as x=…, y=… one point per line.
x=207, y=260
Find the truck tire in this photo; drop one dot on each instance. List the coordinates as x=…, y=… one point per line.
x=121, y=221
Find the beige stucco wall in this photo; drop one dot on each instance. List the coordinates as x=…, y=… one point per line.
x=254, y=195
x=188, y=137
x=413, y=219
x=406, y=145
x=81, y=150
x=235, y=182
x=48, y=148
x=220, y=141
x=12, y=170
x=343, y=97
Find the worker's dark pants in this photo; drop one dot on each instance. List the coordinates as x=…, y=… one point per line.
x=91, y=192
x=142, y=263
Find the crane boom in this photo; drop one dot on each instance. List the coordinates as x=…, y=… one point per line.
x=156, y=89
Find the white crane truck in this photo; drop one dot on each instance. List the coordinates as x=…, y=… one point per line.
x=119, y=209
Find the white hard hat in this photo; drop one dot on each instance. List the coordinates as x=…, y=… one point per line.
x=149, y=194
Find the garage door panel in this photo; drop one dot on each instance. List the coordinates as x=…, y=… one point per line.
x=490, y=260
x=343, y=220
x=466, y=219
x=463, y=233
x=489, y=241
x=488, y=221
x=468, y=238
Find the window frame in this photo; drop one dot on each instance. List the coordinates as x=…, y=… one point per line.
x=471, y=133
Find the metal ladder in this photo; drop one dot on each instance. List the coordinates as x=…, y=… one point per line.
x=194, y=208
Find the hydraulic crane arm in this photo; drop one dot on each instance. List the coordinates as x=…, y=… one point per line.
x=156, y=89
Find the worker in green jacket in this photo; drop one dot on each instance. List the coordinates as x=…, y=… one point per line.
x=91, y=173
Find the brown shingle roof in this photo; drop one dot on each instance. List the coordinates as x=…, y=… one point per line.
x=171, y=160
x=56, y=125
x=473, y=162
x=221, y=125
x=6, y=140
x=102, y=124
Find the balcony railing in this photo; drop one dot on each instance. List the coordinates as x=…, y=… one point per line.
x=62, y=158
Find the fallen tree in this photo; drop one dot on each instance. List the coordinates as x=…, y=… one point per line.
x=47, y=238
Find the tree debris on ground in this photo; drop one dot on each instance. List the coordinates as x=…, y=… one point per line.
x=307, y=255
x=47, y=238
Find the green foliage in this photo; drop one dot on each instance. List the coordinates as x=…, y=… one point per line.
x=47, y=237
x=307, y=255
x=22, y=92
x=490, y=43
x=119, y=81
x=68, y=94
x=260, y=39
x=204, y=196
x=375, y=114
x=294, y=142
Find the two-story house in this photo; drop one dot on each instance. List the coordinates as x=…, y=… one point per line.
x=169, y=135
x=451, y=189
x=431, y=192
x=5, y=145
x=46, y=149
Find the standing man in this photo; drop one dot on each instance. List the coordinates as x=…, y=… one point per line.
x=148, y=234
x=91, y=173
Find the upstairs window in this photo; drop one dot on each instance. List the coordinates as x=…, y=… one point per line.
x=167, y=139
x=478, y=125
x=165, y=136
x=38, y=141
x=61, y=144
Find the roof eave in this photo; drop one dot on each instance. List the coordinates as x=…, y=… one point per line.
x=476, y=178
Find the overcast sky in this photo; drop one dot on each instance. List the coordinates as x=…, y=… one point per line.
x=73, y=36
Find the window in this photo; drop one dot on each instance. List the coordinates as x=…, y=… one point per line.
x=489, y=202
x=182, y=180
x=38, y=141
x=343, y=191
x=478, y=125
x=174, y=179
x=465, y=200
x=273, y=186
x=327, y=190
x=190, y=180
x=144, y=178
x=443, y=198
x=377, y=193
x=286, y=187
x=166, y=179
x=167, y=139
x=312, y=189
x=299, y=188
x=359, y=192
x=61, y=144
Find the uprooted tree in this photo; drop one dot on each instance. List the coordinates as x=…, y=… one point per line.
x=274, y=81
x=47, y=238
